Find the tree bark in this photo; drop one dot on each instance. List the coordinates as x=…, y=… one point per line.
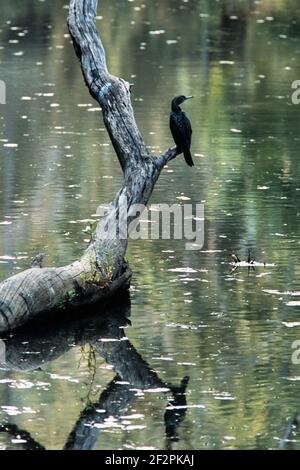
x=102, y=271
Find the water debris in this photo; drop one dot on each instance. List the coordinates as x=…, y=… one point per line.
x=161, y=358
x=12, y=146
x=157, y=32
x=226, y=62
x=183, y=270
x=224, y=396
x=291, y=324
x=113, y=340
x=277, y=292
x=235, y=258
x=14, y=410
x=182, y=407
x=63, y=377
x=255, y=264
x=249, y=263
x=185, y=327
x=157, y=390
x=293, y=303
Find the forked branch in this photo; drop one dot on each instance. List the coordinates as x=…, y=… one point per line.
x=102, y=271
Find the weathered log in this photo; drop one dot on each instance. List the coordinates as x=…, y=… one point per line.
x=102, y=271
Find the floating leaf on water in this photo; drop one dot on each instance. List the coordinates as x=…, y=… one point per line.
x=182, y=270
x=14, y=410
x=162, y=358
x=113, y=340
x=180, y=325
x=291, y=324
x=226, y=62
x=272, y=291
x=183, y=407
x=156, y=32
x=186, y=364
x=11, y=145
x=211, y=251
x=224, y=396
x=64, y=377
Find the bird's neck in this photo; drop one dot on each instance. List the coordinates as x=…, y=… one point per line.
x=176, y=108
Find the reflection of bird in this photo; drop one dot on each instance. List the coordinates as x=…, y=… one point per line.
x=181, y=128
x=176, y=410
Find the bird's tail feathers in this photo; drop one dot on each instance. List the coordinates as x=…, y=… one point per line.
x=188, y=156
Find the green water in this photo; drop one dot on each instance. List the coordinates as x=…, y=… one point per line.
x=230, y=332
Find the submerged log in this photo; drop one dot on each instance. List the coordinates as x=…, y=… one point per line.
x=102, y=271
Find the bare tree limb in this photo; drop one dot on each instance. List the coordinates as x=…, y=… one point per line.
x=102, y=271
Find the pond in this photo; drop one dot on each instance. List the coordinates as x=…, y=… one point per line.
x=116, y=377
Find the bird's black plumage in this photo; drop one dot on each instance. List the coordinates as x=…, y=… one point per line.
x=181, y=128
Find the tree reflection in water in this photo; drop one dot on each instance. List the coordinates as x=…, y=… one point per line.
x=33, y=346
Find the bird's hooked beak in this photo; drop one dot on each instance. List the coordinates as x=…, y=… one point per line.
x=188, y=97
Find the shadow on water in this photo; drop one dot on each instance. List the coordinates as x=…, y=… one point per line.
x=31, y=347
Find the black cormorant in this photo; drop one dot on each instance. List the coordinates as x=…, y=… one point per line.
x=181, y=128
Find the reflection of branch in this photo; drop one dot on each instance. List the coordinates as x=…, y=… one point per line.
x=293, y=425
x=127, y=362
x=36, y=344
x=92, y=368
x=104, y=332
x=113, y=402
x=176, y=411
x=26, y=441
x=132, y=371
